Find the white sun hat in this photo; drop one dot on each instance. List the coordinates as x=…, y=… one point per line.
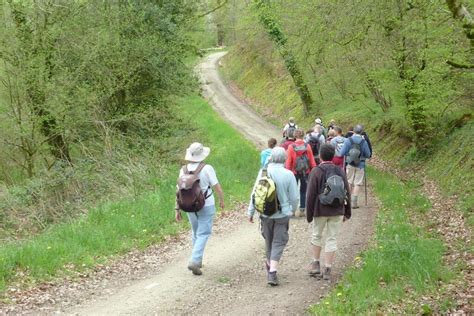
x=318, y=121
x=196, y=152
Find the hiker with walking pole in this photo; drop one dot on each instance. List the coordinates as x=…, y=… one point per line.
x=365, y=183
x=356, y=151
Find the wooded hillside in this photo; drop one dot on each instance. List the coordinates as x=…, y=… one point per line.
x=86, y=101
x=403, y=68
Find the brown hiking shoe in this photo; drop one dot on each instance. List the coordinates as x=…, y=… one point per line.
x=315, y=268
x=327, y=273
x=195, y=268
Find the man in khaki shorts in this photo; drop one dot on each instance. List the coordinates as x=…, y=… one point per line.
x=326, y=215
x=356, y=151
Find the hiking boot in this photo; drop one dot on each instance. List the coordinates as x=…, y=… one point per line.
x=300, y=213
x=327, y=273
x=195, y=268
x=272, y=278
x=315, y=268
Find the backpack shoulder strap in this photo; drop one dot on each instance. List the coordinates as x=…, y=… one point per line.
x=351, y=140
x=185, y=169
x=324, y=171
x=199, y=168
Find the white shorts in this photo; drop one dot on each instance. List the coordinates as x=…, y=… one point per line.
x=355, y=175
x=333, y=226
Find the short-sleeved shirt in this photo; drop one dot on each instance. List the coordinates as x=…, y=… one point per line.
x=207, y=178
x=265, y=157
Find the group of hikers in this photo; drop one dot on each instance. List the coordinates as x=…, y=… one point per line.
x=327, y=166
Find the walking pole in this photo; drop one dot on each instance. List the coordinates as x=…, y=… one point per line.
x=365, y=180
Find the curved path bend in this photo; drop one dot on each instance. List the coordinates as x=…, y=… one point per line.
x=234, y=280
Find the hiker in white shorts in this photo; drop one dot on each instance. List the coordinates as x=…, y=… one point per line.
x=356, y=151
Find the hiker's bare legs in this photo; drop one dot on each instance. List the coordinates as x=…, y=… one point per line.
x=355, y=190
x=316, y=252
x=329, y=258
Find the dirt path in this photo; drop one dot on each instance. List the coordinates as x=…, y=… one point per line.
x=239, y=115
x=234, y=280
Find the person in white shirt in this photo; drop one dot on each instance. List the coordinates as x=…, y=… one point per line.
x=201, y=221
x=289, y=128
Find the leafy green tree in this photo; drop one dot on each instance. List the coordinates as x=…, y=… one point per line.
x=75, y=72
x=269, y=21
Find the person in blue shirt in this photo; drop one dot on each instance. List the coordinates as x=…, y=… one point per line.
x=356, y=171
x=266, y=153
x=275, y=227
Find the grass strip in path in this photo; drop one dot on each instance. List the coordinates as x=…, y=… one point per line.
x=120, y=226
x=403, y=261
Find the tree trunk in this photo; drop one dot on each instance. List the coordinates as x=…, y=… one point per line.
x=36, y=91
x=408, y=71
x=49, y=126
x=268, y=20
x=220, y=34
x=378, y=95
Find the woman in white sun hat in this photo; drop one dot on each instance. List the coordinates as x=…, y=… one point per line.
x=202, y=220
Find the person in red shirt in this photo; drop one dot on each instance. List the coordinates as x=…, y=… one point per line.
x=300, y=161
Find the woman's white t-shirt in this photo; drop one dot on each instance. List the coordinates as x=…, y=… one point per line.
x=207, y=178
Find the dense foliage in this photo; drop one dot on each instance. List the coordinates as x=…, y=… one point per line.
x=85, y=99
x=405, y=62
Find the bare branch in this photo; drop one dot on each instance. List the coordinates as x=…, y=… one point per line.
x=213, y=10
x=459, y=65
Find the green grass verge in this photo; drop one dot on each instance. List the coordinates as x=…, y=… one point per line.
x=405, y=260
x=120, y=226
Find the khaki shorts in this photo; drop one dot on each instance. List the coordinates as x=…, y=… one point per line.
x=333, y=226
x=355, y=175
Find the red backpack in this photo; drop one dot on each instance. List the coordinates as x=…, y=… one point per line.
x=190, y=197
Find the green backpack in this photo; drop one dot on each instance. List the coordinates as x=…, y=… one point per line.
x=264, y=197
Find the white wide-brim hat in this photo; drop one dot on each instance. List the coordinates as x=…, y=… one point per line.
x=196, y=152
